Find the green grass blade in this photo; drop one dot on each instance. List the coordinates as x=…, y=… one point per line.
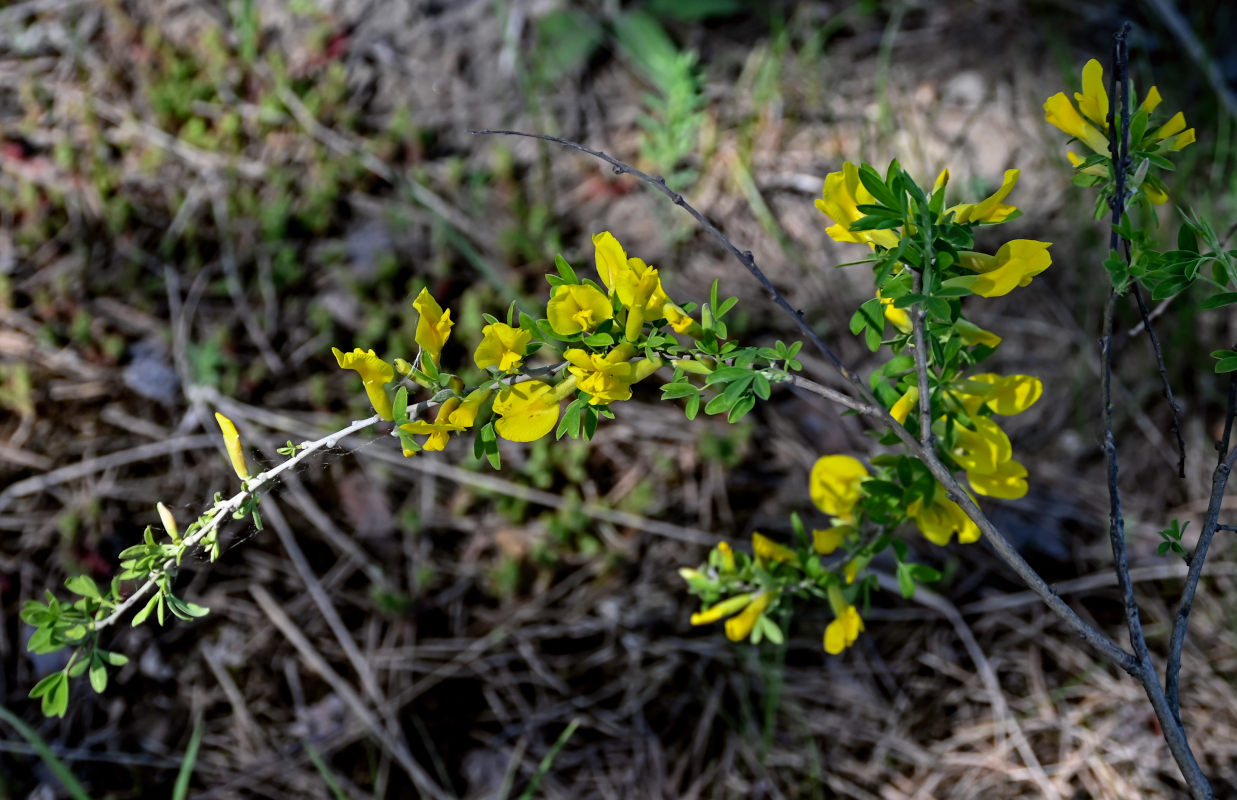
x=548, y=761
x=328, y=777
x=181, y=790
x=62, y=773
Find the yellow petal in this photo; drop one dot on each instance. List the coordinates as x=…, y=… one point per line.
x=731, y=605
x=611, y=258
x=1152, y=100
x=727, y=557
x=528, y=411
x=375, y=375
x=232, y=442
x=169, y=522
x=768, y=550
x=1093, y=99
x=1015, y=264
x=902, y=408
x=740, y=627
x=843, y=192
x=433, y=326
x=835, y=485
x=1008, y=481
x=827, y=541
x=502, y=346
x=1059, y=111
x=576, y=308
x=990, y=209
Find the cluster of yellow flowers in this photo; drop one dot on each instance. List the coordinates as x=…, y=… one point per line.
x=1088, y=123
x=528, y=409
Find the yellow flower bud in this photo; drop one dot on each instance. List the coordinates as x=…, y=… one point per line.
x=232, y=442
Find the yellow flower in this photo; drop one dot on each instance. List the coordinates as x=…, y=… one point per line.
x=232, y=443
x=843, y=631
x=897, y=317
x=1059, y=111
x=827, y=541
x=731, y=605
x=375, y=375
x=990, y=209
x=576, y=308
x=835, y=485
x=740, y=627
x=1005, y=395
x=433, y=327
x=605, y=378
x=1077, y=161
x=529, y=411
x=1154, y=194
x=768, y=550
x=902, y=408
x=453, y=415
x=987, y=456
x=1093, y=99
x=1173, y=129
x=1152, y=100
x=1015, y=264
x=727, y=557
x=623, y=275
x=972, y=334
x=502, y=346
x=843, y=193
x=681, y=321
x=942, y=519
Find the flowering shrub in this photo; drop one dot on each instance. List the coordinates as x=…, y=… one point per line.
x=604, y=332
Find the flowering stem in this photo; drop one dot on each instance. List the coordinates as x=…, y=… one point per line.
x=224, y=510
x=1166, y=711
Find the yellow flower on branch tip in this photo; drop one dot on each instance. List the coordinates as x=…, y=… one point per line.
x=842, y=195
x=440, y=429
x=375, y=375
x=835, y=485
x=1173, y=129
x=731, y=605
x=434, y=325
x=942, y=519
x=902, y=408
x=740, y=627
x=987, y=456
x=1015, y=264
x=606, y=378
x=576, y=308
x=942, y=181
x=992, y=208
x=1152, y=100
x=1059, y=111
x=528, y=411
x=1093, y=99
x=232, y=442
x=828, y=540
x=502, y=346
x=768, y=550
x=843, y=631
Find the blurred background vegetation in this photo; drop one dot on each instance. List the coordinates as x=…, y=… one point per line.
x=197, y=200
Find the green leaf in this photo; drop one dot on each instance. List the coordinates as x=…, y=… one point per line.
x=673, y=391
x=54, y=764
x=83, y=585
x=142, y=615
x=56, y=695
x=717, y=405
x=693, y=406
x=761, y=386
x=771, y=631
x=1226, y=365
x=740, y=409
x=727, y=374
x=873, y=182
x=1218, y=300
x=399, y=409
x=906, y=583
x=98, y=674
x=1186, y=240
x=564, y=269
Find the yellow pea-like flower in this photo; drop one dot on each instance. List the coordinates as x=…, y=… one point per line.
x=992, y=208
x=502, y=346
x=232, y=442
x=731, y=605
x=1059, y=111
x=897, y=317
x=1006, y=395
x=840, y=199
x=606, y=378
x=836, y=485
x=843, y=631
x=1015, y=264
x=902, y=408
x=768, y=550
x=577, y=308
x=740, y=627
x=829, y=540
x=433, y=326
x=528, y=411
x=375, y=375
x=942, y=519
x=727, y=558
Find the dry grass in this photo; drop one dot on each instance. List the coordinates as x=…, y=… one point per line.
x=432, y=629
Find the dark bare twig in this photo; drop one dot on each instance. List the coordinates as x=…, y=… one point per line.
x=1004, y=549
x=1219, y=483
x=1167, y=387
x=1165, y=710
